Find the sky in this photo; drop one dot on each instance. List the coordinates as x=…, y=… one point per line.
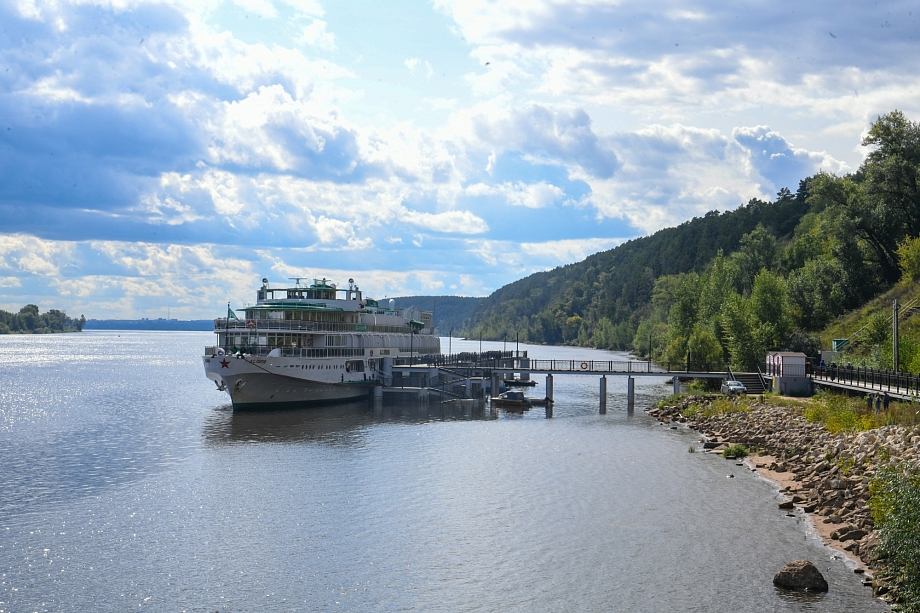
x=164, y=157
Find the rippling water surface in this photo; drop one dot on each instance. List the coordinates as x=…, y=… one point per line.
x=127, y=483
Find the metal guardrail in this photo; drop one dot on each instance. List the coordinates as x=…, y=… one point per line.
x=869, y=379
x=508, y=360
x=632, y=366
x=263, y=325
x=292, y=352
x=487, y=359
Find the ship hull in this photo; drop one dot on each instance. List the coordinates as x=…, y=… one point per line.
x=252, y=387
x=256, y=391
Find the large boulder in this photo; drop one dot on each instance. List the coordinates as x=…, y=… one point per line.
x=800, y=575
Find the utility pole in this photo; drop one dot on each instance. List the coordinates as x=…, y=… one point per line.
x=894, y=335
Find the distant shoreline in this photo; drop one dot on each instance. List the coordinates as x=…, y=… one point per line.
x=175, y=325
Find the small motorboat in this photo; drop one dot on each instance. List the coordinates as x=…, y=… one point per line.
x=511, y=400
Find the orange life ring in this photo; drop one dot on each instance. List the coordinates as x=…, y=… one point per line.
x=584, y=366
x=309, y=341
x=250, y=323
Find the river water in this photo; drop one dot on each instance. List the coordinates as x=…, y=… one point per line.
x=128, y=484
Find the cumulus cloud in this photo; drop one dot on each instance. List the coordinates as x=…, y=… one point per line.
x=529, y=257
x=676, y=172
x=419, y=67
x=316, y=35
x=460, y=222
x=534, y=196
x=545, y=133
x=778, y=162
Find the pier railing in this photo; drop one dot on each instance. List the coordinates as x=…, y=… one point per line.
x=260, y=325
x=636, y=366
x=519, y=361
x=870, y=379
x=487, y=359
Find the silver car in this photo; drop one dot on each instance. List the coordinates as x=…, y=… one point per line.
x=731, y=388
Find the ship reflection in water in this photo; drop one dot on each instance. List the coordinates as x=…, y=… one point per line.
x=335, y=424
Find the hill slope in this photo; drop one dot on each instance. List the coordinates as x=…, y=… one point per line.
x=618, y=284
x=734, y=285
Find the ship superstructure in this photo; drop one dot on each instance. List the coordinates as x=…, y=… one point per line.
x=312, y=344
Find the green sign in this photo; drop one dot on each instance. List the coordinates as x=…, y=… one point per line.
x=361, y=328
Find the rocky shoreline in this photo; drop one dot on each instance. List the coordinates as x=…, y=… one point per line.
x=825, y=475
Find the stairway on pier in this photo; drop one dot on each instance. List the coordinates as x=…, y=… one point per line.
x=751, y=381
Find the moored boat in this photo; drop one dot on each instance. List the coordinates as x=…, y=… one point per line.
x=307, y=345
x=511, y=400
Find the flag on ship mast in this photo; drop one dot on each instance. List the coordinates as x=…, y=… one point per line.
x=230, y=313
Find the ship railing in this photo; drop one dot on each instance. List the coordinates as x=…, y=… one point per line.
x=290, y=352
x=259, y=325
x=466, y=359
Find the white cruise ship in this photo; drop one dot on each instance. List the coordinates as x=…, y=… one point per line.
x=308, y=345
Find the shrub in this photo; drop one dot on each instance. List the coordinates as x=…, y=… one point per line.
x=895, y=503
x=670, y=400
x=839, y=413
x=716, y=407
x=705, y=385
x=735, y=451
x=846, y=414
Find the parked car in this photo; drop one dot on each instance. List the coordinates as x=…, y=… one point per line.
x=731, y=388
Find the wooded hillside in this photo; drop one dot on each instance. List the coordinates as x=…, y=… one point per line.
x=732, y=285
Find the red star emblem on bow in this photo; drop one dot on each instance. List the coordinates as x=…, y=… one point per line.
x=224, y=363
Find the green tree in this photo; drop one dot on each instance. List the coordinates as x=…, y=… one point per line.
x=29, y=316
x=816, y=293
x=685, y=308
x=572, y=326
x=909, y=259
x=715, y=286
x=878, y=329
x=892, y=170
x=758, y=250
x=704, y=347
x=882, y=200
x=604, y=334
x=745, y=345
x=770, y=309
